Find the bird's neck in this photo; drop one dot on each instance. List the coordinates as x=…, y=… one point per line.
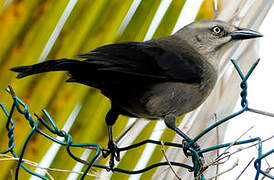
x=205, y=52
x=213, y=58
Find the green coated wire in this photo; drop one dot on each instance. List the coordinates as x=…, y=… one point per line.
x=17, y=103
x=9, y=129
x=12, y=144
x=145, y=169
x=244, y=102
x=259, y=159
x=227, y=145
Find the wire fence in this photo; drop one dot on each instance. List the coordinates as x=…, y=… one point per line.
x=198, y=167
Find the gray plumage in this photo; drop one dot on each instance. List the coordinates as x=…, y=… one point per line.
x=159, y=78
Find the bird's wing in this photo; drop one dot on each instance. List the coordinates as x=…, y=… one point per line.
x=145, y=62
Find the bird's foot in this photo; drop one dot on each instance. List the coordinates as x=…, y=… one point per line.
x=114, y=152
x=195, y=146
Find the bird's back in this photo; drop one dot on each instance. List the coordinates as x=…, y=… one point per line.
x=184, y=76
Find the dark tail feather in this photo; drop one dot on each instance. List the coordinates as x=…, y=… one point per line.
x=50, y=65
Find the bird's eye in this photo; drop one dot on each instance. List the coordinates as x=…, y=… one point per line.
x=217, y=30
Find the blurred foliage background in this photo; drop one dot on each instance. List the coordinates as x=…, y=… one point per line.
x=34, y=30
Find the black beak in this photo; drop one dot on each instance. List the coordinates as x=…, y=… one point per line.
x=243, y=33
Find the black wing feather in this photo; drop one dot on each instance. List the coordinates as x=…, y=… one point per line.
x=145, y=61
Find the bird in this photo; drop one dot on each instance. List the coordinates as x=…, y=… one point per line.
x=161, y=78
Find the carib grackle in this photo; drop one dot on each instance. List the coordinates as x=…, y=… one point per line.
x=155, y=79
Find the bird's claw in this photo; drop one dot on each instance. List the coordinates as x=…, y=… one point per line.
x=195, y=146
x=114, y=152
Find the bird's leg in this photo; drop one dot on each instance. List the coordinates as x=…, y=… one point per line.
x=113, y=149
x=170, y=121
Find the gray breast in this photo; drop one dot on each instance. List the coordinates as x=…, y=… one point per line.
x=170, y=98
x=176, y=98
x=179, y=98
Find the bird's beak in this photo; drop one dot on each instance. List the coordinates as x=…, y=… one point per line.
x=244, y=33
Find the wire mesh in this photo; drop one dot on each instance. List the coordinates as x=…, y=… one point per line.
x=197, y=167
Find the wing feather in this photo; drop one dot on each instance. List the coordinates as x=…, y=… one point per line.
x=145, y=61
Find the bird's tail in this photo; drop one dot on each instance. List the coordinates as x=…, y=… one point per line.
x=50, y=65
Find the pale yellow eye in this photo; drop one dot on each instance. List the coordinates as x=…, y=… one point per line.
x=217, y=29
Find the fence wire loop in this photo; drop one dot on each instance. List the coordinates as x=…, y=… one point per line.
x=196, y=154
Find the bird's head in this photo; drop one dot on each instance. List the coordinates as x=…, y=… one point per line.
x=214, y=37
